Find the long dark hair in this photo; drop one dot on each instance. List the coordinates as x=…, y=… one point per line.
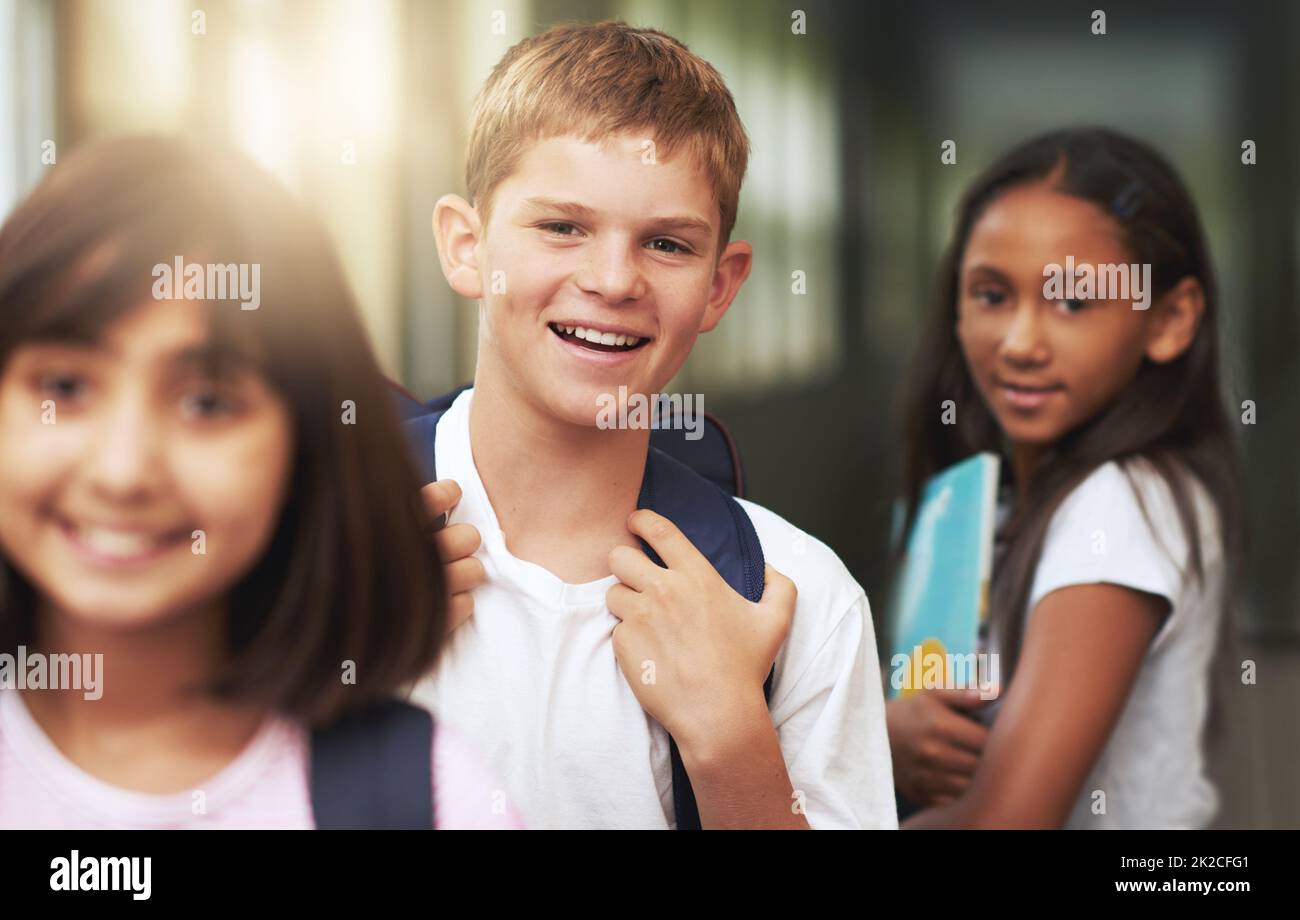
x=348, y=574
x=1171, y=415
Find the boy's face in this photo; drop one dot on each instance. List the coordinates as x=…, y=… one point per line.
x=613, y=238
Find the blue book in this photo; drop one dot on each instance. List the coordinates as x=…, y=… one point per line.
x=941, y=599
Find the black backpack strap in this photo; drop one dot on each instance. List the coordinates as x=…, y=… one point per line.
x=720, y=529
x=713, y=455
x=373, y=770
x=420, y=427
x=683, y=487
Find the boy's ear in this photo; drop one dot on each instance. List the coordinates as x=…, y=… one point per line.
x=733, y=268
x=1178, y=316
x=456, y=228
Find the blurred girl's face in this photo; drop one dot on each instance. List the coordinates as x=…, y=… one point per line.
x=1044, y=367
x=136, y=480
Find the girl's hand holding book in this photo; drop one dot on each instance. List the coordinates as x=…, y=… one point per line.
x=935, y=743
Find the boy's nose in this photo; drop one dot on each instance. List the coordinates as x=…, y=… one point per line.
x=612, y=274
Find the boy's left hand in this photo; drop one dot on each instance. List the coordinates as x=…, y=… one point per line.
x=694, y=651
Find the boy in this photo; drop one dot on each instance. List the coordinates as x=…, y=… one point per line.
x=604, y=170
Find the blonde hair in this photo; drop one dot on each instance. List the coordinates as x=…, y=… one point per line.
x=594, y=80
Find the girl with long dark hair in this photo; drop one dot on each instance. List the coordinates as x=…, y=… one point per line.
x=1112, y=559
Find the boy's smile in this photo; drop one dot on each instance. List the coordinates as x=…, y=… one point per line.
x=597, y=267
x=591, y=340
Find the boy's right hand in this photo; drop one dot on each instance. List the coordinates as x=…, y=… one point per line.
x=456, y=544
x=934, y=744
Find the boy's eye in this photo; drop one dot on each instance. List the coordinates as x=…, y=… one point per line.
x=560, y=228
x=1072, y=305
x=671, y=247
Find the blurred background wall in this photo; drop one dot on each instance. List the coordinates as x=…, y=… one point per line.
x=362, y=108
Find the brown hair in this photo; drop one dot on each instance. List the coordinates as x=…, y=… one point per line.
x=1171, y=415
x=594, y=80
x=348, y=574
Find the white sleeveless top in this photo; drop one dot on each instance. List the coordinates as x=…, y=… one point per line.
x=1152, y=769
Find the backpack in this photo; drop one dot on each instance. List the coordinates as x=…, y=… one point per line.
x=373, y=770
x=692, y=483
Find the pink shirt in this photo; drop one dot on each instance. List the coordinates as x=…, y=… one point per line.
x=265, y=787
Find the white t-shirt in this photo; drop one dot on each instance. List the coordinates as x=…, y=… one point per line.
x=532, y=681
x=1152, y=769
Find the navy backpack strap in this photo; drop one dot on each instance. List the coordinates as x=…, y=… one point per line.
x=722, y=531
x=421, y=434
x=373, y=770
x=404, y=402
x=409, y=407
x=420, y=426
x=710, y=519
x=693, y=500
x=713, y=454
